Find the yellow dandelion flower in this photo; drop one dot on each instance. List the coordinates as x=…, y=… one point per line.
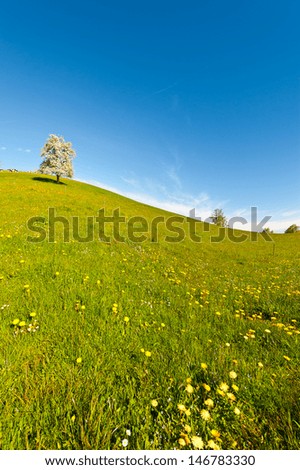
x=267, y=331
x=73, y=418
x=22, y=323
x=197, y=442
x=181, y=407
x=237, y=411
x=220, y=392
x=260, y=365
x=209, y=403
x=188, y=380
x=224, y=387
x=212, y=445
x=189, y=388
x=32, y=314
x=218, y=313
x=215, y=433
x=148, y=353
x=287, y=358
x=126, y=319
x=227, y=344
x=232, y=374
x=154, y=403
x=79, y=360
x=205, y=415
x=206, y=387
x=203, y=365
x=187, y=412
x=142, y=350
x=231, y=396
x=16, y=321
x=181, y=442
x=235, y=387
x=187, y=428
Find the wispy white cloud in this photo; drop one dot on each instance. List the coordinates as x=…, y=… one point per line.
x=181, y=206
x=20, y=149
x=174, y=177
x=171, y=195
x=3, y=148
x=240, y=212
x=162, y=90
x=131, y=180
x=174, y=102
x=291, y=213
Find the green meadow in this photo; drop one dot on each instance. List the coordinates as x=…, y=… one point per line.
x=131, y=344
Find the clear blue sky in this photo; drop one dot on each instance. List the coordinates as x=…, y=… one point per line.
x=183, y=105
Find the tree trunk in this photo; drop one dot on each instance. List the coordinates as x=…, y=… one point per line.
x=57, y=178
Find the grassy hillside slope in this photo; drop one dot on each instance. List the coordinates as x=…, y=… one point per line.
x=144, y=345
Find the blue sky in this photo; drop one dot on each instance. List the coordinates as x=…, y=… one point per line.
x=182, y=105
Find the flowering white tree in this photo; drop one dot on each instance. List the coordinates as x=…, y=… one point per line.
x=58, y=155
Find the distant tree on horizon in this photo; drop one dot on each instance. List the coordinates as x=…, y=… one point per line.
x=58, y=155
x=218, y=218
x=292, y=229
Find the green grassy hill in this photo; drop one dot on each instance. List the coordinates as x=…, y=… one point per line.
x=156, y=344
